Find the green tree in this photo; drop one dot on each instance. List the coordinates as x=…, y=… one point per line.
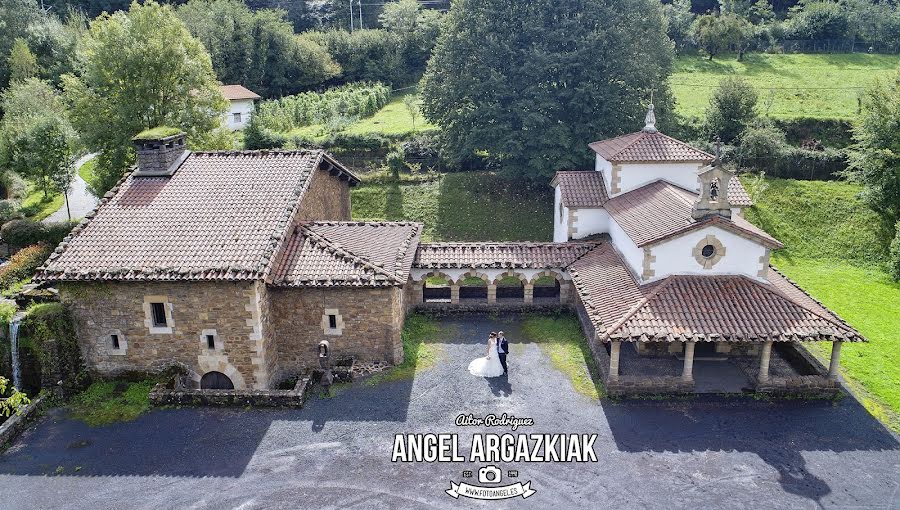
x=410, y=101
x=818, y=19
x=36, y=139
x=715, y=34
x=257, y=49
x=22, y=63
x=732, y=108
x=416, y=28
x=139, y=70
x=875, y=160
x=678, y=21
x=12, y=403
x=531, y=84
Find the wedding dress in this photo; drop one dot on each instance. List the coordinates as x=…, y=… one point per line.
x=487, y=366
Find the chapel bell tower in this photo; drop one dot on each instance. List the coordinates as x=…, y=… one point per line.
x=713, y=198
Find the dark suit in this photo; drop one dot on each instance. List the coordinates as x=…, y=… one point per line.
x=502, y=351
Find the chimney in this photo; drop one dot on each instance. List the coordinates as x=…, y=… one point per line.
x=160, y=151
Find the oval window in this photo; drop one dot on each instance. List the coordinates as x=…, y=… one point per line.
x=708, y=251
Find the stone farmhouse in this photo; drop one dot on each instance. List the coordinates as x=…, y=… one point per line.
x=241, y=106
x=235, y=265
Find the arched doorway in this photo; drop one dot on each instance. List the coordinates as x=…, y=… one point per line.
x=436, y=288
x=215, y=381
x=546, y=290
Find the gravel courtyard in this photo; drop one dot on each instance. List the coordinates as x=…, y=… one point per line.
x=336, y=452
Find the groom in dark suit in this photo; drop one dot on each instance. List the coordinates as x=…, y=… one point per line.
x=502, y=349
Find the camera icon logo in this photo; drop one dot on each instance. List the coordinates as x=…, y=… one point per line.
x=489, y=474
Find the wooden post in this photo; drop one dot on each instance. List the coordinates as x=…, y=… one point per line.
x=834, y=367
x=614, y=361
x=687, y=375
x=764, y=357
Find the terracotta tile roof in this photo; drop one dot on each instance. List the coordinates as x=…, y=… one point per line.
x=235, y=92
x=698, y=308
x=499, y=255
x=221, y=215
x=661, y=210
x=737, y=195
x=581, y=188
x=358, y=254
x=644, y=146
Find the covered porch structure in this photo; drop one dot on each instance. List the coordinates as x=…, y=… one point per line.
x=710, y=334
x=485, y=276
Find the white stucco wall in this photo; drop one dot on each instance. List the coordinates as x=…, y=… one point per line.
x=560, y=226
x=590, y=222
x=742, y=256
x=635, y=175
x=604, y=167
x=633, y=255
x=245, y=108
x=417, y=275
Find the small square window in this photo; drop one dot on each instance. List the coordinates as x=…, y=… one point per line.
x=114, y=340
x=158, y=311
x=211, y=341
x=237, y=117
x=332, y=321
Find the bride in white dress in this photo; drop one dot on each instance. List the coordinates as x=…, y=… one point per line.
x=488, y=366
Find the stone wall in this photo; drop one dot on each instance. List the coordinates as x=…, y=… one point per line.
x=369, y=324
x=327, y=198
x=163, y=396
x=231, y=311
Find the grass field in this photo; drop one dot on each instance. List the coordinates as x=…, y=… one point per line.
x=474, y=206
x=832, y=252
x=563, y=342
x=831, y=83
x=36, y=206
x=393, y=119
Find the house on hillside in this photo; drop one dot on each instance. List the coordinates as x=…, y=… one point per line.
x=235, y=265
x=242, y=105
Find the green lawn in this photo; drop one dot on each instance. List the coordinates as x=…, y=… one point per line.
x=473, y=206
x=696, y=77
x=833, y=253
x=107, y=402
x=564, y=343
x=393, y=119
x=88, y=173
x=36, y=206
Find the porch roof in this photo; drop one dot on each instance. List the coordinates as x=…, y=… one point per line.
x=730, y=308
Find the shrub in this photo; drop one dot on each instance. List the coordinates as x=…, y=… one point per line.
x=257, y=137
x=396, y=162
x=731, y=109
x=19, y=233
x=818, y=20
x=352, y=142
x=346, y=102
x=23, y=264
x=894, y=255
x=8, y=211
x=762, y=140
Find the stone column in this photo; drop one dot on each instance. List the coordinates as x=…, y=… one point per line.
x=614, y=361
x=529, y=293
x=834, y=367
x=687, y=375
x=419, y=292
x=454, y=294
x=564, y=290
x=492, y=293
x=764, y=357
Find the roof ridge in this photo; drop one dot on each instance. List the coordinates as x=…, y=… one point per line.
x=685, y=143
x=334, y=248
x=640, y=136
x=662, y=285
x=777, y=292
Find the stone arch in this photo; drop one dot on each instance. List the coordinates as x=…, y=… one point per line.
x=216, y=381
x=546, y=294
x=473, y=273
x=474, y=293
x=522, y=278
x=221, y=364
x=436, y=294
x=510, y=293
